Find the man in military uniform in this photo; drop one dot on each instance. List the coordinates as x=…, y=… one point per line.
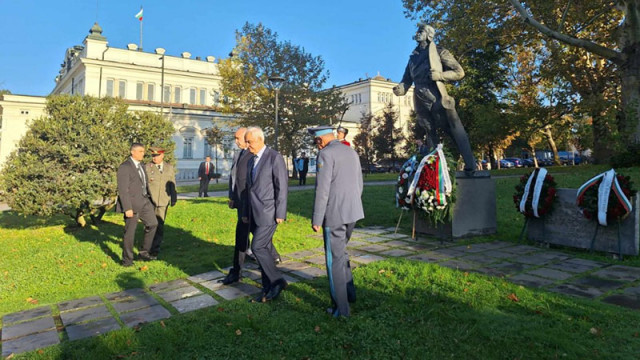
x=336, y=209
x=428, y=68
x=162, y=188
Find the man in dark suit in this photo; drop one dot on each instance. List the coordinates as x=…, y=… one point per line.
x=205, y=174
x=265, y=208
x=135, y=203
x=336, y=208
x=302, y=164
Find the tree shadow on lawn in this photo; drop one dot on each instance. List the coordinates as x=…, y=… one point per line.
x=12, y=220
x=416, y=311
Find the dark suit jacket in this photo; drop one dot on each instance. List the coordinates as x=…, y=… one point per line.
x=202, y=170
x=268, y=193
x=238, y=178
x=130, y=188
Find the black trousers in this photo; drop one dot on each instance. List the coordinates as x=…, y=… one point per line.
x=204, y=187
x=262, y=247
x=303, y=177
x=242, y=244
x=148, y=217
x=338, y=268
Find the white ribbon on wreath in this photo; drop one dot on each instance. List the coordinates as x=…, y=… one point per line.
x=537, y=189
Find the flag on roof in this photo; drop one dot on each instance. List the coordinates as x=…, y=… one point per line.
x=139, y=15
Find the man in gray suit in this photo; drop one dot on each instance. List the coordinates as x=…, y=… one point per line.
x=336, y=209
x=265, y=208
x=135, y=203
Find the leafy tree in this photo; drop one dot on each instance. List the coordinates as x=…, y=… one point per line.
x=386, y=136
x=4, y=91
x=67, y=161
x=258, y=55
x=215, y=137
x=363, y=141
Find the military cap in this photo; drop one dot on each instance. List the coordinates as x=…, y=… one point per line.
x=155, y=150
x=320, y=130
x=342, y=130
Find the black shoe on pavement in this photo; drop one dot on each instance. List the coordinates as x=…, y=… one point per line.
x=230, y=278
x=276, y=289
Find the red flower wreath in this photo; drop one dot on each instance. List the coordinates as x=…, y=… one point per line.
x=588, y=201
x=547, y=196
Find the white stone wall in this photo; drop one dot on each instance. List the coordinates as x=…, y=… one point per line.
x=16, y=111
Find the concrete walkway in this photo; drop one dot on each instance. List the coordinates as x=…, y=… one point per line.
x=527, y=265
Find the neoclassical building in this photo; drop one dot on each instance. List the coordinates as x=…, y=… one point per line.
x=185, y=89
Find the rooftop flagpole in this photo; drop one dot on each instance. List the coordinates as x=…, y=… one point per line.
x=139, y=17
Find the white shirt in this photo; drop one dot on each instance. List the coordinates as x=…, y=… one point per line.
x=259, y=156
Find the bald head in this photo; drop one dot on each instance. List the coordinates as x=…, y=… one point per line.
x=240, y=138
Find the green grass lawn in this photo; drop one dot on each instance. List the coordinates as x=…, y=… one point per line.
x=405, y=309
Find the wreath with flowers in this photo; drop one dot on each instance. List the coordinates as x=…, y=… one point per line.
x=538, y=190
x=426, y=185
x=403, y=198
x=616, y=188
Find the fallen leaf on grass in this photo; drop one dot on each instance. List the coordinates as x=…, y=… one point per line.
x=32, y=300
x=465, y=290
x=104, y=265
x=162, y=323
x=513, y=297
x=316, y=329
x=238, y=332
x=594, y=331
x=144, y=268
x=220, y=309
x=229, y=324
x=381, y=271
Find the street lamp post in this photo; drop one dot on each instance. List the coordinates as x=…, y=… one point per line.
x=276, y=83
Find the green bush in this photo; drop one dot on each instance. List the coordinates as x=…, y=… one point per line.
x=629, y=158
x=67, y=161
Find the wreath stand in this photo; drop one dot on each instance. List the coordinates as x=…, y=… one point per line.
x=524, y=230
x=593, y=240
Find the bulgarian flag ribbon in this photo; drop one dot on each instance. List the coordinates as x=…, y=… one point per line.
x=608, y=182
x=139, y=14
x=537, y=179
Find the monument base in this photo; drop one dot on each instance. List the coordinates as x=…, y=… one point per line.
x=568, y=227
x=474, y=212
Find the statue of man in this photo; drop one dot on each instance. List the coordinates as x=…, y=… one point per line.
x=428, y=68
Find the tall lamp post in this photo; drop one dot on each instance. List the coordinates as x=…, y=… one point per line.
x=276, y=83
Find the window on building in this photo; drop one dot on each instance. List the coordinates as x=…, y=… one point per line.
x=177, y=96
x=139, y=89
x=150, y=90
x=207, y=148
x=192, y=96
x=122, y=86
x=110, y=87
x=359, y=98
x=216, y=98
x=166, y=94
x=187, y=151
x=203, y=96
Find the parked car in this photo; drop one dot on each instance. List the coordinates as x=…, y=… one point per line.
x=374, y=169
x=567, y=158
x=528, y=162
x=517, y=162
x=390, y=166
x=506, y=164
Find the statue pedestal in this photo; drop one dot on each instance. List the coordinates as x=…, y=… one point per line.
x=474, y=212
x=567, y=226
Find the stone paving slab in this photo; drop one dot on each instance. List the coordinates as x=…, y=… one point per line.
x=212, y=284
x=520, y=249
x=376, y=239
x=366, y=259
x=534, y=259
x=551, y=274
x=126, y=294
x=355, y=235
x=250, y=265
x=237, y=290
x=290, y=279
x=396, y=253
x=82, y=315
x=509, y=268
x=31, y=342
x=370, y=231
x=374, y=248
x=458, y=265
x=619, y=272
x=390, y=229
x=553, y=255
x=490, y=271
x=169, y=285
x=94, y=328
x=145, y=315
x=494, y=245
x=131, y=304
x=628, y=301
x=596, y=282
x=480, y=258
x=356, y=243
x=252, y=274
x=530, y=280
x=466, y=249
x=570, y=267
x=420, y=246
x=26, y=315
x=27, y=327
x=429, y=257
x=80, y=303
x=399, y=243
x=579, y=291
x=180, y=293
x=291, y=266
x=396, y=236
x=450, y=253
x=310, y=273
x=498, y=254
x=194, y=303
x=301, y=254
x=318, y=260
x=208, y=276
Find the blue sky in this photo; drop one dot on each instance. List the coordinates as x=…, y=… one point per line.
x=355, y=38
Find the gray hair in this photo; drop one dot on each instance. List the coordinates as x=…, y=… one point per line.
x=256, y=131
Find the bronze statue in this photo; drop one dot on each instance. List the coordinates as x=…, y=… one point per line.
x=428, y=68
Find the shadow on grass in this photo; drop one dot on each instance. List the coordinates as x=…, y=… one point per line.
x=404, y=310
x=13, y=220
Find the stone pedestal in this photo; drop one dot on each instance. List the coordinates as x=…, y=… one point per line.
x=568, y=227
x=474, y=212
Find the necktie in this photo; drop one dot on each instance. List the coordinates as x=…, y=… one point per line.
x=207, y=167
x=253, y=168
x=250, y=168
x=144, y=180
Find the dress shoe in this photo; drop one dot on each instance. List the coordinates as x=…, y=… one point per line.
x=147, y=257
x=230, y=278
x=276, y=289
x=351, y=292
x=262, y=298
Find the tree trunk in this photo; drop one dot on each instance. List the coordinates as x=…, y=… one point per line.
x=96, y=219
x=631, y=93
x=552, y=144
